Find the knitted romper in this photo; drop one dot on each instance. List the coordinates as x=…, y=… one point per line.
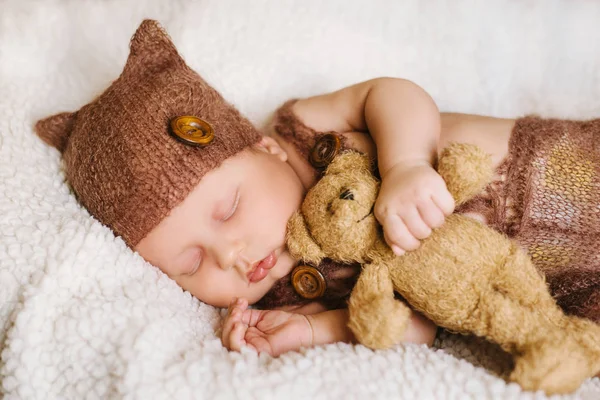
x=547, y=198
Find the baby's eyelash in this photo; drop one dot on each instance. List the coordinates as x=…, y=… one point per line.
x=233, y=208
x=196, y=264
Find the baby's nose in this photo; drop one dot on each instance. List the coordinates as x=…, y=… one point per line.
x=242, y=267
x=230, y=257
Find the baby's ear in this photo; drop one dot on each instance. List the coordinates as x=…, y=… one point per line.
x=300, y=243
x=55, y=130
x=151, y=49
x=270, y=146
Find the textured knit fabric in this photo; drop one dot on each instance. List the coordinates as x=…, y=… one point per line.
x=120, y=159
x=303, y=137
x=289, y=127
x=340, y=279
x=546, y=197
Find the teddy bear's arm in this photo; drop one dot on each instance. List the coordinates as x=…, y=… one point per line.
x=377, y=319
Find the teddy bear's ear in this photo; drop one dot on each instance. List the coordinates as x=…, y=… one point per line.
x=349, y=160
x=151, y=49
x=300, y=243
x=467, y=170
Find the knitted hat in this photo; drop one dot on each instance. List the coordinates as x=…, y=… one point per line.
x=127, y=156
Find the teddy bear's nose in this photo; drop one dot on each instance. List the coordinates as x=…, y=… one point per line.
x=347, y=195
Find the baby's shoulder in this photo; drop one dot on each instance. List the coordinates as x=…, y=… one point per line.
x=320, y=116
x=491, y=134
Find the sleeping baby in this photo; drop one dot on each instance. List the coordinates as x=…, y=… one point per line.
x=187, y=182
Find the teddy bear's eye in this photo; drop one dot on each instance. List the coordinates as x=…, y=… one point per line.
x=347, y=195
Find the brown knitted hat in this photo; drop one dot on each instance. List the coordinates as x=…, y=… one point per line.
x=122, y=154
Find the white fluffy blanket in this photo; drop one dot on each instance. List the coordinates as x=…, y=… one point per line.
x=81, y=316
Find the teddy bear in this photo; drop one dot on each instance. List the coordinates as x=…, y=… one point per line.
x=465, y=277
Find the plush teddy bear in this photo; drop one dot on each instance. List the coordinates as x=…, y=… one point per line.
x=465, y=277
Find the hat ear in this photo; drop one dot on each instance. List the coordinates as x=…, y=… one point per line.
x=55, y=130
x=151, y=49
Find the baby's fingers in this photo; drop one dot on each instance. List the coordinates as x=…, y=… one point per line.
x=234, y=315
x=236, y=337
x=431, y=214
x=415, y=224
x=397, y=235
x=444, y=201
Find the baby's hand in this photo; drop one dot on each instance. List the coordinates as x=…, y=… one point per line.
x=270, y=331
x=412, y=201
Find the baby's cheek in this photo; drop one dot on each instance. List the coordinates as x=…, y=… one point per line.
x=209, y=289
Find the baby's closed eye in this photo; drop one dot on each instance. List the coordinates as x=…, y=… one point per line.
x=190, y=260
x=226, y=212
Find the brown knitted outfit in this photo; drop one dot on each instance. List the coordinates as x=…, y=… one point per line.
x=547, y=197
x=548, y=200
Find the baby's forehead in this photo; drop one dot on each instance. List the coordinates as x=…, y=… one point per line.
x=233, y=170
x=215, y=187
x=241, y=163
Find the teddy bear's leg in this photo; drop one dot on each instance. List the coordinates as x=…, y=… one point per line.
x=520, y=280
x=557, y=365
x=542, y=349
x=563, y=360
x=507, y=322
x=377, y=319
x=552, y=352
x=514, y=299
x=586, y=334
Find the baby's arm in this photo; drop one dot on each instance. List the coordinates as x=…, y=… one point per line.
x=404, y=123
x=400, y=116
x=278, y=331
x=332, y=326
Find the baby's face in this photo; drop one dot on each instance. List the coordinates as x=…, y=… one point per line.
x=227, y=238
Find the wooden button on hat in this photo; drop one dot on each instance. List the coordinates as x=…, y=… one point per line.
x=192, y=130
